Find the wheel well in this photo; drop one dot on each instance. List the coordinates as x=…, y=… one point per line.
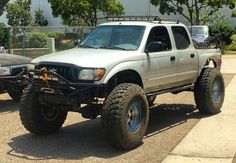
x=211, y=63
x=126, y=76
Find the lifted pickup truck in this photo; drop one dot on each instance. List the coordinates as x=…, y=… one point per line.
x=116, y=72
x=12, y=68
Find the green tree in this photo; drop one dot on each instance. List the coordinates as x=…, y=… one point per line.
x=191, y=10
x=84, y=12
x=18, y=13
x=2, y=5
x=221, y=27
x=234, y=13
x=4, y=36
x=39, y=19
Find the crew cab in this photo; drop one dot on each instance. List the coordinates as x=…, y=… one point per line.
x=117, y=72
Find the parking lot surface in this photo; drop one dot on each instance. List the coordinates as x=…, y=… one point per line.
x=81, y=140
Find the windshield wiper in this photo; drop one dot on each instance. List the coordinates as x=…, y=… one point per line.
x=112, y=47
x=87, y=46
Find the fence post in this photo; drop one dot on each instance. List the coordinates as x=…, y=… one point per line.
x=51, y=45
x=23, y=32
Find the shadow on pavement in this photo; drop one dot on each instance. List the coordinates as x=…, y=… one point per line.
x=85, y=139
x=167, y=116
x=8, y=105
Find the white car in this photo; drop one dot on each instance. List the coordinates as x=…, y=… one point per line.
x=2, y=49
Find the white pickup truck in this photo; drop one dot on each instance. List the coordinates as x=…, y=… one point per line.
x=116, y=72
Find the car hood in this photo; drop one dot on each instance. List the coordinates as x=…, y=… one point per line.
x=85, y=57
x=11, y=60
x=199, y=39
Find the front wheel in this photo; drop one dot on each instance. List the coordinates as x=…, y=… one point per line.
x=209, y=91
x=40, y=119
x=15, y=93
x=125, y=116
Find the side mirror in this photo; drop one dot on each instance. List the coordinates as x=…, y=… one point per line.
x=154, y=47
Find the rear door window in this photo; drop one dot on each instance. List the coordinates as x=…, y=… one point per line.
x=181, y=37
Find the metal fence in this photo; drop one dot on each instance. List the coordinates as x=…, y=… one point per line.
x=36, y=41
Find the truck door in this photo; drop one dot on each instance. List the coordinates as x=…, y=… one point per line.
x=186, y=55
x=160, y=64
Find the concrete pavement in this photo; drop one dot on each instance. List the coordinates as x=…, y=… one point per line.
x=213, y=139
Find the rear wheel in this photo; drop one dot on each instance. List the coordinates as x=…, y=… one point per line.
x=125, y=116
x=40, y=119
x=210, y=91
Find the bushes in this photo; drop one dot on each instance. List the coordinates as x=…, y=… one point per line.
x=223, y=29
x=62, y=41
x=233, y=37
x=232, y=46
x=36, y=40
x=32, y=39
x=58, y=36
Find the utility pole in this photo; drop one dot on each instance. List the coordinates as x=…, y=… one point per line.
x=149, y=7
x=191, y=17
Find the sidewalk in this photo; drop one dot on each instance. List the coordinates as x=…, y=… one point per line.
x=213, y=139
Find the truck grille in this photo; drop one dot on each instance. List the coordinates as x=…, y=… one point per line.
x=66, y=72
x=16, y=71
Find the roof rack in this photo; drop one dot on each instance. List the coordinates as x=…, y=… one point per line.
x=154, y=19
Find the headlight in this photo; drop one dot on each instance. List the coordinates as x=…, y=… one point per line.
x=5, y=71
x=91, y=74
x=30, y=66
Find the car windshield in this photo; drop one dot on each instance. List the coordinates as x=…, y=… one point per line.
x=199, y=31
x=117, y=37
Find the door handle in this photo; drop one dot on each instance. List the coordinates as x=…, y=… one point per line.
x=192, y=55
x=172, y=58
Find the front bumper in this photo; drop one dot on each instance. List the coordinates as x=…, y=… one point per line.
x=17, y=80
x=53, y=88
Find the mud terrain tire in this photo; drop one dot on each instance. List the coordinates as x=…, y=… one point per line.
x=209, y=91
x=39, y=119
x=15, y=94
x=125, y=116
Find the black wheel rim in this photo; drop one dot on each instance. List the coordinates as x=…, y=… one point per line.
x=50, y=113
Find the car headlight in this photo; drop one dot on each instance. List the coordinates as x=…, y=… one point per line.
x=91, y=74
x=30, y=66
x=5, y=71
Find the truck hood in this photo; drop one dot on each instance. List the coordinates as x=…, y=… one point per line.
x=86, y=57
x=199, y=39
x=11, y=60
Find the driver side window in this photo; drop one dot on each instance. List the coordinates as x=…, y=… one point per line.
x=161, y=36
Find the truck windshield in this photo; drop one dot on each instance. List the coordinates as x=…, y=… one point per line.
x=117, y=37
x=199, y=31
